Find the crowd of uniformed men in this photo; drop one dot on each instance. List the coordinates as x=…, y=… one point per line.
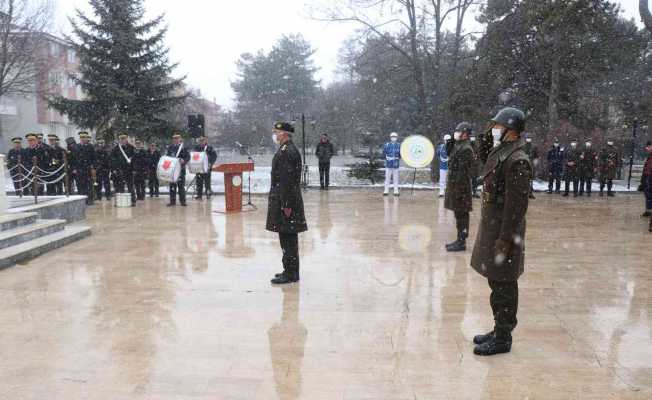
x=99, y=170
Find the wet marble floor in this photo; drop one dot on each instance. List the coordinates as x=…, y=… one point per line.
x=176, y=303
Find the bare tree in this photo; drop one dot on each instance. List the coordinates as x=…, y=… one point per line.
x=646, y=16
x=22, y=61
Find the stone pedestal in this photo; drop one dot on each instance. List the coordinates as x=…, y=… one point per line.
x=4, y=204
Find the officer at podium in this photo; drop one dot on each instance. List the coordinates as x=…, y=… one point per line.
x=285, y=205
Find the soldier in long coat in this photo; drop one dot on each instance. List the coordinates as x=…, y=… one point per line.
x=15, y=157
x=571, y=169
x=285, y=213
x=499, y=251
x=140, y=163
x=122, y=168
x=85, y=163
x=555, y=167
x=609, y=163
x=459, y=193
x=57, y=155
x=588, y=162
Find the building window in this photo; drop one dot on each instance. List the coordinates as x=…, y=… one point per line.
x=71, y=56
x=54, y=49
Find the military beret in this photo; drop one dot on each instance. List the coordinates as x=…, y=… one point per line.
x=284, y=126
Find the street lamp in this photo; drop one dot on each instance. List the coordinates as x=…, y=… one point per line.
x=631, y=156
x=306, y=168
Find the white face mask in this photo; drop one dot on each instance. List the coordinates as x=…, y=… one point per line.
x=275, y=138
x=528, y=140
x=610, y=143
x=497, y=134
x=588, y=144
x=394, y=139
x=556, y=144
x=573, y=144
x=473, y=139
x=457, y=135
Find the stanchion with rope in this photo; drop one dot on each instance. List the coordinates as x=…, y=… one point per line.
x=34, y=180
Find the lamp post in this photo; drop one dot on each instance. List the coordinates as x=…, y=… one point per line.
x=306, y=168
x=631, y=156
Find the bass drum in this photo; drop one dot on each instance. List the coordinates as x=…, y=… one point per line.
x=169, y=169
x=198, y=163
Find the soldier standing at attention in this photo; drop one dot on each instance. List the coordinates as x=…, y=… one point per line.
x=392, y=154
x=555, y=167
x=153, y=156
x=571, y=169
x=139, y=163
x=285, y=204
x=609, y=161
x=176, y=149
x=103, y=158
x=588, y=160
x=121, y=167
x=15, y=157
x=324, y=152
x=499, y=251
x=56, y=161
x=475, y=171
x=459, y=194
x=204, y=180
x=84, y=163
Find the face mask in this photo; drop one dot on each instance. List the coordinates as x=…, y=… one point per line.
x=473, y=139
x=394, y=139
x=588, y=144
x=528, y=140
x=573, y=144
x=610, y=143
x=556, y=144
x=275, y=138
x=497, y=134
x=457, y=135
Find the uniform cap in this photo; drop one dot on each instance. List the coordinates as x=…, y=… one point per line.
x=393, y=134
x=284, y=126
x=16, y=140
x=39, y=135
x=31, y=136
x=54, y=137
x=464, y=127
x=123, y=136
x=84, y=135
x=176, y=135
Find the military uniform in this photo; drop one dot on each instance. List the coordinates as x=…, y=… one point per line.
x=477, y=167
x=180, y=152
x=121, y=168
x=71, y=150
x=533, y=153
x=204, y=180
x=140, y=163
x=153, y=158
x=571, y=171
x=16, y=157
x=103, y=157
x=39, y=152
x=459, y=193
x=609, y=162
x=588, y=161
x=555, y=168
x=499, y=251
x=85, y=163
x=57, y=156
x=285, y=194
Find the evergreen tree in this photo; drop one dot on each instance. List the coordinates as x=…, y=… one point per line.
x=124, y=72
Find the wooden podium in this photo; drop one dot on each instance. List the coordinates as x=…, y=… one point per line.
x=233, y=183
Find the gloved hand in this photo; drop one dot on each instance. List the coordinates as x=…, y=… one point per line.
x=287, y=212
x=502, y=251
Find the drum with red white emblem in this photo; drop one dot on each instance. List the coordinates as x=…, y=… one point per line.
x=198, y=163
x=169, y=169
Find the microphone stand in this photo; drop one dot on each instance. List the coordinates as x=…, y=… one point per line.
x=251, y=160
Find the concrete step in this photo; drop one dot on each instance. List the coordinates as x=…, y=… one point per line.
x=14, y=220
x=25, y=233
x=34, y=248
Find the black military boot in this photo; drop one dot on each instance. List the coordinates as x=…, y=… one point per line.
x=493, y=346
x=285, y=279
x=480, y=339
x=457, y=246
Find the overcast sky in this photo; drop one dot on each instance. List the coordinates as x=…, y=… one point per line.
x=206, y=37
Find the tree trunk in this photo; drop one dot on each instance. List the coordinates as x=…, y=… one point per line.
x=646, y=17
x=416, y=66
x=553, y=111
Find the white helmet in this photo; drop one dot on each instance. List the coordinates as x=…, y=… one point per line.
x=447, y=137
x=393, y=134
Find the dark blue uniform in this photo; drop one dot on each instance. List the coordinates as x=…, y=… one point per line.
x=555, y=168
x=179, y=185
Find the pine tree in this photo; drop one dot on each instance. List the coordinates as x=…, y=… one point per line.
x=124, y=72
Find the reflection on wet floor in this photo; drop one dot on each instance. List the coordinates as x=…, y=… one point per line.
x=175, y=303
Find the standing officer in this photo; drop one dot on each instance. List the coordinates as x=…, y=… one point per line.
x=204, y=180
x=533, y=152
x=324, y=152
x=140, y=166
x=71, y=151
x=571, y=169
x=176, y=149
x=609, y=161
x=85, y=166
x=392, y=154
x=477, y=166
x=121, y=166
x=555, y=167
x=40, y=151
x=459, y=192
x=57, y=154
x=103, y=158
x=442, y=156
x=153, y=157
x=588, y=161
x=499, y=251
x=16, y=157
x=285, y=205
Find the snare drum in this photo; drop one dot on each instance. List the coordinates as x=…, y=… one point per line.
x=123, y=200
x=198, y=163
x=169, y=169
